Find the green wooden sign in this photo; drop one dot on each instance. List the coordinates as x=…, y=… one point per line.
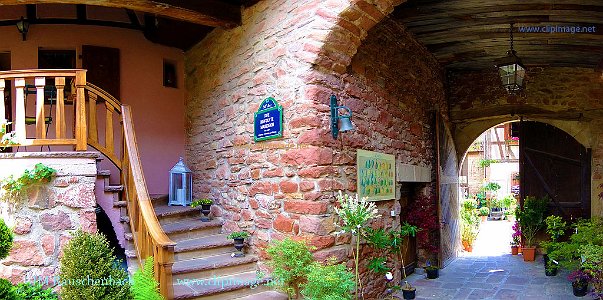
x=268, y=121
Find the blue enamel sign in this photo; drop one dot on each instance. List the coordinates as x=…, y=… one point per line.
x=268, y=121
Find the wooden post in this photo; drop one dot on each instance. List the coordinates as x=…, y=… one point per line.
x=60, y=122
x=40, y=116
x=109, y=143
x=81, y=132
x=166, y=261
x=20, y=110
x=92, y=129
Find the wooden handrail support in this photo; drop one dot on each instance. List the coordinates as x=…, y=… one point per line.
x=149, y=237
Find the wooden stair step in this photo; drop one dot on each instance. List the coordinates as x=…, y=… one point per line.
x=213, y=266
x=225, y=287
x=268, y=295
x=114, y=188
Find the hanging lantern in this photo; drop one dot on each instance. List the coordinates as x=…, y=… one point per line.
x=181, y=185
x=511, y=70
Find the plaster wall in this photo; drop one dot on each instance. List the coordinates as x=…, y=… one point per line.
x=158, y=111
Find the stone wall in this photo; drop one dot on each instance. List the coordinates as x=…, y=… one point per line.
x=568, y=98
x=300, y=52
x=42, y=221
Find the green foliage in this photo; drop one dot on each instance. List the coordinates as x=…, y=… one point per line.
x=555, y=227
x=6, y=138
x=495, y=203
x=491, y=186
x=15, y=187
x=484, y=163
x=203, y=201
x=6, y=239
x=531, y=218
x=470, y=222
x=28, y=291
x=378, y=265
x=7, y=291
x=509, y=202
x=290, y=261
x=144, y=285
x=330, y=282
x=354, y=212
x=89, y=270
x=377, y=238
x=468, y=204
x=484, y=211
x=238, y=235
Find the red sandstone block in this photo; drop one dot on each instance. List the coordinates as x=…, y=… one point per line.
x=308, y=156
x=274, y=173
x=322, y=242
x=283, y=224
x=317, y=225
x=306, y=186
x=312, y=196
x=288, y=186
x=330, y=185
x=266, y=188
x=316, y=172
x=306, y=207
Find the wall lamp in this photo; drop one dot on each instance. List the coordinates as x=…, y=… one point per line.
x=23, y=27
x=340, y=123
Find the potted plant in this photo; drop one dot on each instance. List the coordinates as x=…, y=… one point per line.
x=238, y=237
x=483, y=213
x=431, y=270
x=516, y=239
x=531, y=219
x=579, y=281
x=205, y=207
x=408, y=291
x=555, y=228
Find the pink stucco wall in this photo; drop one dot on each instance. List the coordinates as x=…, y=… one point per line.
x=158, y=111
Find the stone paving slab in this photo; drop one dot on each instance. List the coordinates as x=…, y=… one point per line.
x=493, y=274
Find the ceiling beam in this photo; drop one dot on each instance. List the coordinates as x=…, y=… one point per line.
x=212, y=13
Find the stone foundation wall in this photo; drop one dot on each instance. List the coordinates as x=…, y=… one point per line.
x=43, y=220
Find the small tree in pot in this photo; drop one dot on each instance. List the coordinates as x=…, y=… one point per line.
x=531, y=220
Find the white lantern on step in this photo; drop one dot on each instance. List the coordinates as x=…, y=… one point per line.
x=181, y=185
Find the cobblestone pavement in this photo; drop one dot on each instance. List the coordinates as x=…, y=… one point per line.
x=491, y=272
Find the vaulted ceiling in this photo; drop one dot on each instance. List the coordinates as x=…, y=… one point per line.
x=472, y=34
x=175, y=23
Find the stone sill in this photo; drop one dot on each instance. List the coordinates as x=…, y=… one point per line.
x=57, y=154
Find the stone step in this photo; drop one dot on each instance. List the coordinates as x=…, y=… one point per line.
x=124, y=219
x=269, y=295
x=203, y=247
x=170, y=214
x=103, y=173
x=120, y=203
x=159, y=199
x=220, y=288
x=212, y=266
x=187, y=229
x=114, y=188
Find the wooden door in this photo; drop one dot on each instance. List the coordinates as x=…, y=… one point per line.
x=447, y=190
x=554, y=164
x=102, y=64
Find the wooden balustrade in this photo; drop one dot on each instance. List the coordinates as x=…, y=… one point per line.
x=148, y=236
x=38, y=79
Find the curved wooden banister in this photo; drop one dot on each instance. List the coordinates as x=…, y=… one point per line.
x=97, y=95
x=149, y=237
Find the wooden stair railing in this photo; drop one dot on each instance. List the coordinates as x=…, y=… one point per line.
x=148, y=236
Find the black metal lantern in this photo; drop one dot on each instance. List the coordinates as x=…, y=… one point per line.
x=181, y=185
x=511, y=70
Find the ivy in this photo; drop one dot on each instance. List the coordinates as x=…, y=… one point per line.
x=6, y=138
x=15, y=186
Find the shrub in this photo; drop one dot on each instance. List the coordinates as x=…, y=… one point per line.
x=6, y=239
x=89, y=270
x=468, y=204
x=7, y=291
x=330, y=282
x=28, y=291
x=484, y=211
x=238, y=235
x=290, y=261
x=144, y=285
x=531, y=218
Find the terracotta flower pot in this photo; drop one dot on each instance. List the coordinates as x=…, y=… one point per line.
x=529, y=254
x=514, y=250
x=467, y=246
x=484, y=218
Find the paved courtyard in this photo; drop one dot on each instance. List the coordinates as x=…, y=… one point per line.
x=491, y=272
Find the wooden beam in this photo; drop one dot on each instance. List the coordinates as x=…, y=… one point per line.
x=133, y=18
x=212, y=13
